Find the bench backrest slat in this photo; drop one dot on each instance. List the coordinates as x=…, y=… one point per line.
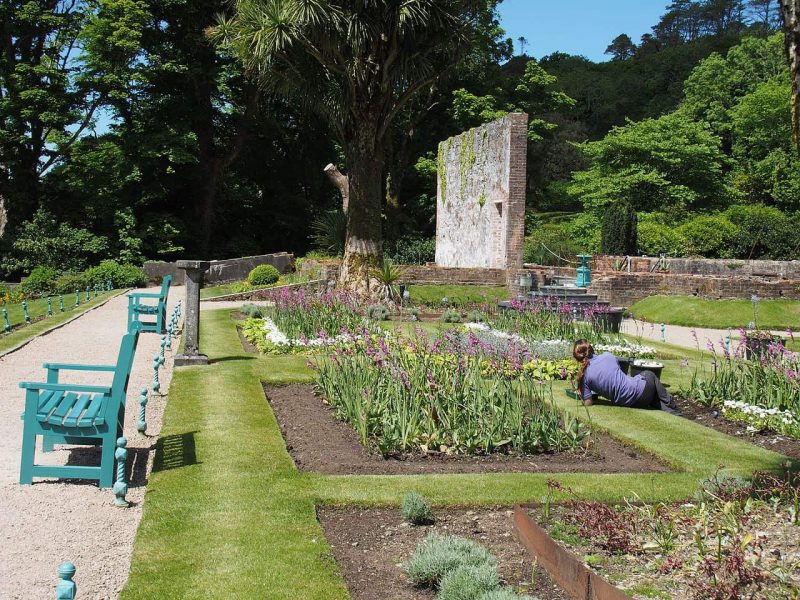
x=165, y=283
x=127, y=350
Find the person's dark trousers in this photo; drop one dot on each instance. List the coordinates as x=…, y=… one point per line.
x=655, y=395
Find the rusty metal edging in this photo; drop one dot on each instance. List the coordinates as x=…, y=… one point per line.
x=562, y=566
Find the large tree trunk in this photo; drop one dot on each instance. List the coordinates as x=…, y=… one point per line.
x=790, y=11
x=3, y=216
x=363, y=247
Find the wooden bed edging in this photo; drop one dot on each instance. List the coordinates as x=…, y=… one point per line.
x=564, y=568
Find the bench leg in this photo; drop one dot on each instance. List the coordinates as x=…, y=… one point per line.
x=27, y=458
x=48, y=445
x=107, y=463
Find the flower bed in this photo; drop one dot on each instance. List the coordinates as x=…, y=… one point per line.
x=734, y=540
x=406, y=395
x=763, y=394
x=298, y=319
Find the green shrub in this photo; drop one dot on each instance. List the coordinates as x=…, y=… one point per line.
x=263, y=275
x=40, y=282
x=438, y=555
x=450, y=316
x=240, y=287
x=329, y=231
x=69, y=282
x=252, y=311
x=467, y=582
x=764, y=232
x=556, y=237
x=416, y=509
x=618, y=232
x=584, y=231
x=377, y=312
x=475, y=316
x=504, y=594
x=120, y=275
x=710, y=236
x=655, y=238
x=412, y=250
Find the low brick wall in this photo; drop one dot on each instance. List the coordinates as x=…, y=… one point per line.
x=706, y=266
x=623, y=289
x=220, y=271
x=265, y=294
x=429, y=274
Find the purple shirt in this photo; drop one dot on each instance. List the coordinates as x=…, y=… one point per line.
x=603, y=376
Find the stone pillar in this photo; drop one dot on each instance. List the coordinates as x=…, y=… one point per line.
x=191, y=326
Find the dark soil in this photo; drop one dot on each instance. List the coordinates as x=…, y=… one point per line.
x=371, y=544
x=771, y=441
x=248, y=347
x=319, y=442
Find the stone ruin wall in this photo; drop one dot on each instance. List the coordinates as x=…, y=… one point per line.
x=480, y=198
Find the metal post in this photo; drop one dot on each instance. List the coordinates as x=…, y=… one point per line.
x=121, y=485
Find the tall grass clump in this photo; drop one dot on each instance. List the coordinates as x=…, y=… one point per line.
x=763, y=393
x=547, y=319
x=407, y=395
x=302, y=314
x=416, y=509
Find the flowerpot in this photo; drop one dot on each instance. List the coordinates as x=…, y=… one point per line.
x=640, y=366
x=610, y=321
x=756, y=346
x=624, y=364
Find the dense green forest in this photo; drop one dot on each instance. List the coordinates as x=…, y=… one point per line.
x=129, y=130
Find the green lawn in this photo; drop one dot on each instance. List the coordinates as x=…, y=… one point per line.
x=717, y=314
x=227, y=515
x=459, y=295
x=224, y=289
x=38, y=308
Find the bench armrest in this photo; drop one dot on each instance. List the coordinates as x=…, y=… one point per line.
x=66, y=387
x=144, y=295
x=69, y=367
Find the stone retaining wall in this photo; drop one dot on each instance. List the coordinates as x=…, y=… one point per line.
x=623, y=289
x=429, y=274
x=220, y=271
x=705, y=266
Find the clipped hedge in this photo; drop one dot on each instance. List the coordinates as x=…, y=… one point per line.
x=263, y=275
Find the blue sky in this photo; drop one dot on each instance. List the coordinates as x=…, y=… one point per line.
x=577, y=26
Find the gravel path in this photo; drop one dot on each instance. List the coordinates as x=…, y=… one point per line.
x=44, y=524
x=680, y=336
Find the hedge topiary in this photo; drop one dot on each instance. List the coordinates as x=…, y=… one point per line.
x=263, y=275
x=618, y=231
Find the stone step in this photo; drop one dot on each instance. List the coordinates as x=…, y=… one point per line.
x=559, y=290
x=572, y=298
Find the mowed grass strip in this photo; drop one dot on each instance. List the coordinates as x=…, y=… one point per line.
x=690, y=311
x=228, y=516
x=235, y=521
x=37, y=308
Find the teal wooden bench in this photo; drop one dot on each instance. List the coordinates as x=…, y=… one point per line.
x=65, y=413
x=137, y=308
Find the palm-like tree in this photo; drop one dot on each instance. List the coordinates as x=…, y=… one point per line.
x=357, y=63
